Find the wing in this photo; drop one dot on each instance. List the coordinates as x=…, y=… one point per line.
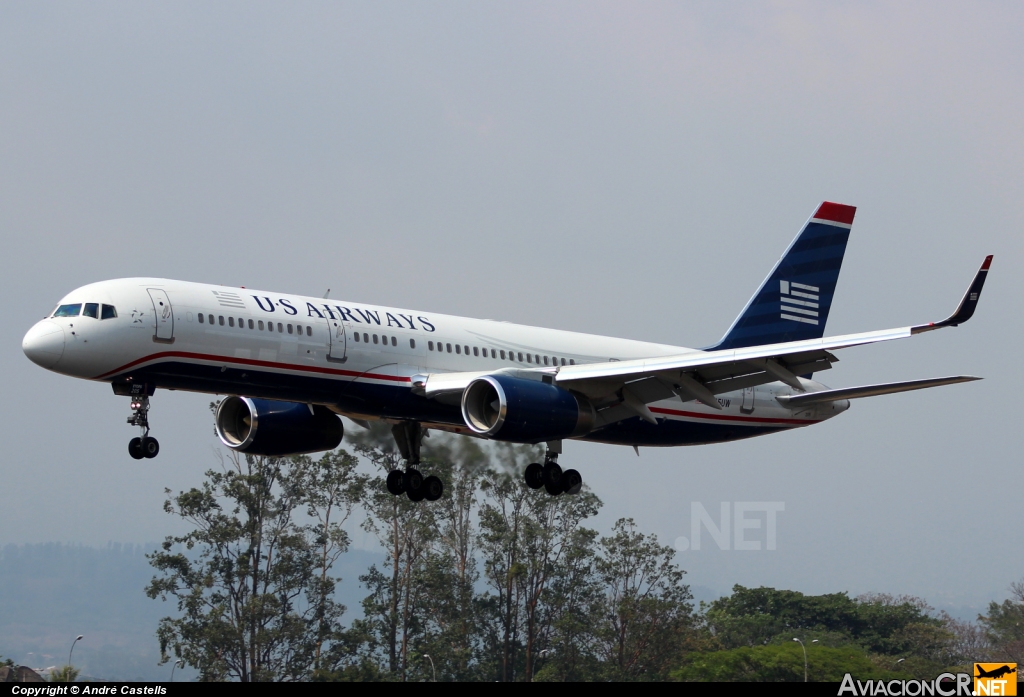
x=870, y=390
x=700, y=375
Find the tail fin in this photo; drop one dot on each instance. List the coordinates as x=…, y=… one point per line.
x=793, y=302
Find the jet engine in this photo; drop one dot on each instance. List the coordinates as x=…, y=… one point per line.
x=268, y=427
x=524, y=411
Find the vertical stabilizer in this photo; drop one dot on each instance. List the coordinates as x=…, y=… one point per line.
x=793, y=302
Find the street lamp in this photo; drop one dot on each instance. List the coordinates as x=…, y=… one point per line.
x=815, y=641
x=434, y=672
x=77, y=639
x=179, y=662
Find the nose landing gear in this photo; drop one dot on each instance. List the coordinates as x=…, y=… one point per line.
x=144, y=446
x=408, y=436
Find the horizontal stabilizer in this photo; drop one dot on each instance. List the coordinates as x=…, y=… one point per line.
x=870, y=390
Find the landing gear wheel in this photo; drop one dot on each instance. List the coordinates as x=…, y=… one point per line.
x=418, y=494
x=135, y=448
x=534, y=475
x=551, y=476
x=432, y=488
x=394, y=482
x=412, y=481
x=150, y=447
x=572, y=482
x=553, y=489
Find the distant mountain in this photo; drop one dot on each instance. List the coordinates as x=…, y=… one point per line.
x=50, y=593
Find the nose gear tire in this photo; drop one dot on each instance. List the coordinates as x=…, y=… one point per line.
x=135, y=448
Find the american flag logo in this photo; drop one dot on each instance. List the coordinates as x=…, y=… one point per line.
x=227, y=299
x=799, y=302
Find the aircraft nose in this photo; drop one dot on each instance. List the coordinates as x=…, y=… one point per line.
x=44, y=343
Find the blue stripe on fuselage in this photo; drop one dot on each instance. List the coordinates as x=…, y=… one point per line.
x=393, y=401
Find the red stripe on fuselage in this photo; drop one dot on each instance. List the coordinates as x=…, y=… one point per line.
x=252, y=362
x=727, y=417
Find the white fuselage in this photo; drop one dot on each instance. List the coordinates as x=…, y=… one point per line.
x=355, y=358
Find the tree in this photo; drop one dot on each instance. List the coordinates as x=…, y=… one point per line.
x=252, y=580
x=647, y=617
x=65, y=674
x=779, y=663
x=1004, y=625
x=405, y=530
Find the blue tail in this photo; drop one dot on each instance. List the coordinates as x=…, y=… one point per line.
x=793, y=302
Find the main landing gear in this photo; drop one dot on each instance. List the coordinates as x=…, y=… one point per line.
x=550, y=475
x=144, y=446
x=411, y=482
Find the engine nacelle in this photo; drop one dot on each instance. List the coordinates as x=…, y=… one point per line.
x=269, y=427
x=524, y=411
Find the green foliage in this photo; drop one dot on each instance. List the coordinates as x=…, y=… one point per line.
x=496, y=581
x=64, y=674
x=1004, y=626
x=780, y=663
x=252, y=579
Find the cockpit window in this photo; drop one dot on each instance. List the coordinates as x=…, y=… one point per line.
x=91, y=310
x=109, y=312
x=68, y=310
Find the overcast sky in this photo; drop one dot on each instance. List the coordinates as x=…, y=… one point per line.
x=631, y=169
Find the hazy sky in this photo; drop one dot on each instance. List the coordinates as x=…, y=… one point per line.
x=631, y=169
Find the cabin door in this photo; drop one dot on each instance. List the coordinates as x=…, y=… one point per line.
x=164, y=315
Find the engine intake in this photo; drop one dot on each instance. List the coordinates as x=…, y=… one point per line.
x=524, y=411
x=268, y=427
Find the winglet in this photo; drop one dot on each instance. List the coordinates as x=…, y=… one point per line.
x=965, y=310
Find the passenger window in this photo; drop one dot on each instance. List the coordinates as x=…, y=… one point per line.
x=270, y=326
x=366, y=338
x=210, y=318
x=290, y=329
x=502, y=354
x=494, y=354
x=231, y=321
x=220, y=319
x=394, y=341
x=91, y=310
x=563, y=361
x=536, y=359
x=458, y=349
x=529, y=358
x=357, y=337
x=375, y=338
x=572, y=362
x=201, y=317
x=467, y=350
x=520, y=357
x=430, y=345
x=476, y=351
x=412, y=343
x=109, y=312
x=68, y=310
x=251, y=325
x=260, y=325
x=545, y=360
x=280, y=328
x=449, y=347
x=241, y=323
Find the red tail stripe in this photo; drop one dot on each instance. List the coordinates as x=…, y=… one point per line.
x=836, y=212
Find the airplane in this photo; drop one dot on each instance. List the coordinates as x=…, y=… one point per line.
x=289, y=365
